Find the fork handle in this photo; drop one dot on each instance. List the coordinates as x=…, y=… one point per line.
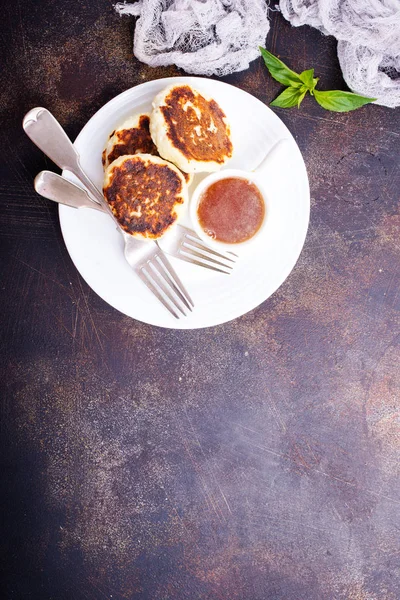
x=56, y=188
x=46, y=132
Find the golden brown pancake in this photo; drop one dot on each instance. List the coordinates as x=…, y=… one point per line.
x=133, y=137
x=146, y=194
x=190, y=130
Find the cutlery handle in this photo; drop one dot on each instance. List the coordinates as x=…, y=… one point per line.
x=46, y=132
x=56, y=188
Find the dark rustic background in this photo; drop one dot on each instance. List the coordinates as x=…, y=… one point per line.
x=257, y=460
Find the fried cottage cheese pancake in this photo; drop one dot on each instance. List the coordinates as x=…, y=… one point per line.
x=190, y=129
x=146, y=194
x=132, y=137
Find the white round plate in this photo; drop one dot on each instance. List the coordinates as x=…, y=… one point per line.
x=96, y=247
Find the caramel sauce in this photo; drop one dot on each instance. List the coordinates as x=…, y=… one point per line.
x=231, y=210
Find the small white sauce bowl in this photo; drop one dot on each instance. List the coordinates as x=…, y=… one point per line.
x=198, y=194
x=259, y=177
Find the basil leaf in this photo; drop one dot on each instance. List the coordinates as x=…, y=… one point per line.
x=315, y=81
x=279, y=70
x=338, y=101
x=289, y=97
x=308, y=78
x=301, y=98
x=296, y=84
x=299, y=85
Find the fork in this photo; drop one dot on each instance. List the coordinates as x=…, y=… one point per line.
x=181, y=242
x=145, y=258
x=185, y=244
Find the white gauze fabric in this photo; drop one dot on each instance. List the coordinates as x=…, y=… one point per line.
x=368, y=34
x=207, y=37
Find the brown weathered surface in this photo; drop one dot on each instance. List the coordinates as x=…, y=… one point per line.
x=252, y=461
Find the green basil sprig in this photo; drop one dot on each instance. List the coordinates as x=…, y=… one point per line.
x=299, y=84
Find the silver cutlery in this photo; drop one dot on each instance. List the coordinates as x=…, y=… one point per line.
x=47, y=134
x=54, y=187
x=181, y=242
x=145, y=258
x=185, y=244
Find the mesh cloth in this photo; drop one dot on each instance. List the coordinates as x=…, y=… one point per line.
x=218, y=37
x=203, y=37
x=368, y=34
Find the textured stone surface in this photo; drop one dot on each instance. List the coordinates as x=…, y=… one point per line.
x=251, y=461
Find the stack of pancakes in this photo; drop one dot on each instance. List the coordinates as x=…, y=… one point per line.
x=150, y=159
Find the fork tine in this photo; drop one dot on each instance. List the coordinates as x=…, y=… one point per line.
x=144, y=276
x=203, y=256
x=165, y=286
x=193, y=261
x=197, y=243
x=175, y=281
